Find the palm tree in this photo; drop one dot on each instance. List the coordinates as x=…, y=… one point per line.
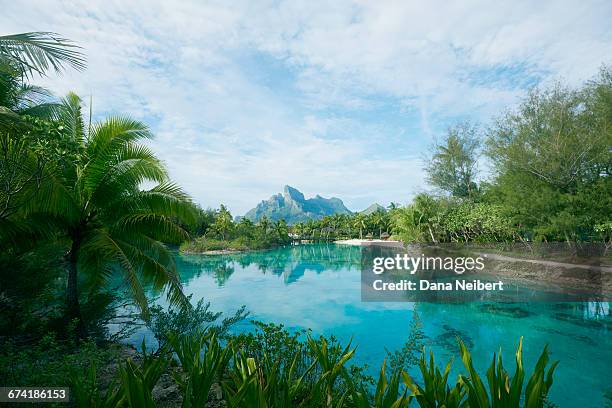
x=281, y=229
x=309, y=228
x=21, y=56
x=378, y=219
x=335, y=222
x=264, y=224
x=223, y=223
x=21, y=169
x=112, y=225
x=298, y=229
x=359, y=222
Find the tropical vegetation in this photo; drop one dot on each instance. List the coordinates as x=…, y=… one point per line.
x=89, y=219
x=216, y=230
x=548, y=179
x=273, y=368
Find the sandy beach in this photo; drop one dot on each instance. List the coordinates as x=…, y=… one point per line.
x=369, y=242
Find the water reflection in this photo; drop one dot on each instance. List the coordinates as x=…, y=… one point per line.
x=319, y=287
x=290, y=262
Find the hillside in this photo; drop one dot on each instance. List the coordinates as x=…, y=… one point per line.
x=373, y=208
x=293, y=207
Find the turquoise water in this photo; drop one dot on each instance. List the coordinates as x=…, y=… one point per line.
x=318, y=287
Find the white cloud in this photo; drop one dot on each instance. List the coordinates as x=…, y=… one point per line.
x=350, y=95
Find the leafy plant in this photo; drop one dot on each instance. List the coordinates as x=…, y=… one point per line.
x=186, y=320
x=388, y=392
x=331, y=362
x=505, y=391
x=435, y=392
x=267, y=383
x=203, y=360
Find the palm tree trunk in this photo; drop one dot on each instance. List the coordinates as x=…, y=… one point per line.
x=72, y=292
x=431, y=234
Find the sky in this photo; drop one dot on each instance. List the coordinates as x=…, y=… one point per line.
x=337, y=98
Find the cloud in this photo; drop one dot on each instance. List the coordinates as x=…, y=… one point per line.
x=336, y=98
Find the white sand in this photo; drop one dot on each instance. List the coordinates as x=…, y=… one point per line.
x=367, y=242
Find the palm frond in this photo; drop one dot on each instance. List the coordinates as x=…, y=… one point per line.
x=72, y=118
x=38, y=52
x=111, y=179
x=153, y=225
x=110, y=135
x=161, y=275
x=165, y=199
x=100, y=247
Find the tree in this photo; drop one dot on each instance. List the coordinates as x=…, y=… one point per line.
x=21, y=56
x=420, y=221
x=452, y=167
x=379, y=219
x=264, y=224
x=281, y=230
x=223, y=222
x=336, y=222
x=359, y=222
x=551, y=159
x=111, y=224
x=23, y=166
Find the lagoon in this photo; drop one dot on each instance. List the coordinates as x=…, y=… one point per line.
x=317, y=286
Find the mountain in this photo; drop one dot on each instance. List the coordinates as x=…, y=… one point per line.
x=372, y=209
x=293, y=207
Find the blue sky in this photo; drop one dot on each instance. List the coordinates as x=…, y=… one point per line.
x=335, y=98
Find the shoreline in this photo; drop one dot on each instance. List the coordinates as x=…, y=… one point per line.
x=370, y=242
x=217, y=252
x=227, y=251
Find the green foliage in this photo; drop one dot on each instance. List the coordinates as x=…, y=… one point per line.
x=86, y=391
x=388, y=393
x=223, y=234
x=274, y=343
x=420, y=221
x=452, y=167
x=137, y=381
x=203, y=361
x=436, y=391
x=552, y=161
x=181, y=321
x=430, y=219
x=81, y=185
x=505, y=391
x=134, y=387
x=332, y=365
x=267, y=383
x=261, y=370
x=48, y=361
x=476, y=222
x=38, y=52
x=341, y=226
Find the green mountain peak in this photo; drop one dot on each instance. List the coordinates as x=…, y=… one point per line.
x=293, y=207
